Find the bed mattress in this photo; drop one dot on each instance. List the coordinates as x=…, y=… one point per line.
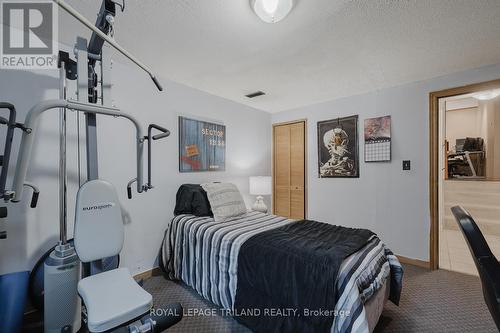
x=204, y=254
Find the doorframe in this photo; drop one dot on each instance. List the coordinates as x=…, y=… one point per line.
x=306, y=193
x=434, y=157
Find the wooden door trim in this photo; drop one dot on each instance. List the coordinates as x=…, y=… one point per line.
x=297, y=121
x=434, y=157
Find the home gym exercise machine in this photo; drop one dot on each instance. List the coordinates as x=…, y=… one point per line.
x=13, y=285
x=62, y=285
x=5, y=194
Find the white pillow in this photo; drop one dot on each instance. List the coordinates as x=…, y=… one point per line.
x=225, y=200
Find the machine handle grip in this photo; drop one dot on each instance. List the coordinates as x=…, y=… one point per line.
x=164, y=134
x=157, y=83
x=3, y=215
x=5, y=105
x=161, y=136
x=12, y=113
x=3, y=212
x=129, y=188
x=34, y=199
x=166, y=316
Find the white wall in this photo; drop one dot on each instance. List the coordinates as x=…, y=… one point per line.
x=463, y=123
x=490, y=128
x=32, y=231
x=495, y=172
x=392, y=202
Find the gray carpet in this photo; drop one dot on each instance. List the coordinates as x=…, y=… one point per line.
x=432, y=301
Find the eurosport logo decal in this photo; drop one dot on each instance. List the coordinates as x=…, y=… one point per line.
x=99, y=206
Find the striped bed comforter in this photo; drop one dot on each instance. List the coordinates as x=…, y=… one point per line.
x=204, y=254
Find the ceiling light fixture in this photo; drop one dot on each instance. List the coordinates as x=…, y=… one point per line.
x=486, y=95
x=271, y=11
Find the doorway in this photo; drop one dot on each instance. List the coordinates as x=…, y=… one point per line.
x=290, y=169
x=463, y=169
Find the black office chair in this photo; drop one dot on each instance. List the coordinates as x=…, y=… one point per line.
x=486, y=263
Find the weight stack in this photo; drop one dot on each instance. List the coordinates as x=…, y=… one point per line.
x=62, y=305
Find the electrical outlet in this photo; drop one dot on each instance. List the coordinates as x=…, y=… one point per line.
x=406, y=165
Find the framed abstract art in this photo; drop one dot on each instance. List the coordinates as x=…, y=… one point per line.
x=202, y=145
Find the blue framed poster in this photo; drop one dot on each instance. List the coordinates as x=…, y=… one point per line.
x=202, y=145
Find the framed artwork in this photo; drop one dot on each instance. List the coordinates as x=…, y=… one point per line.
x=202, y=145
x=378, y=139
x=338, y=148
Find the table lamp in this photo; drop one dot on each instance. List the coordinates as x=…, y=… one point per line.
x=260, y=186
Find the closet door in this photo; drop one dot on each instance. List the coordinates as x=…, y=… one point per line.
x=289, y=170
x=281, y=195
x=297, y=171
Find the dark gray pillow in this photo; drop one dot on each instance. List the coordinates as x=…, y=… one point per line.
x=192, y=199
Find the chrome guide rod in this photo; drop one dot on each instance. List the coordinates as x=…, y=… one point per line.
x=63, y=205
x=32, y=119
x=82, y=84
x=108, y=39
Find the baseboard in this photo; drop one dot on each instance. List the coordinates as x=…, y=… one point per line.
x=147, y=274
x=415, y=262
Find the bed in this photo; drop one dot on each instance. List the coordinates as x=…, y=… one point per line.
x=227, y=263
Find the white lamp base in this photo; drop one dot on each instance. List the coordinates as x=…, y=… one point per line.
x=259, y=205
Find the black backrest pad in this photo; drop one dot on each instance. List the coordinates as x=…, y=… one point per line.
x=486, y=263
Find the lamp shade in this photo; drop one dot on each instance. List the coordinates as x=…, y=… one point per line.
x=260, y=186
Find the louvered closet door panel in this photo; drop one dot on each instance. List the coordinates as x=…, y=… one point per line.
x=282, y=170
x=282, y=201
x=297, y=171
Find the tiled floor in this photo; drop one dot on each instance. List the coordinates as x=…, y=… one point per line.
x=454, y=254
x=482, y=200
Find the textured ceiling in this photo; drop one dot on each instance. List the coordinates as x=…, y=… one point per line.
x=323, y=50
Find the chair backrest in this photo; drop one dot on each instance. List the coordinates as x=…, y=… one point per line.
x=99, y=230
x=486, y=263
